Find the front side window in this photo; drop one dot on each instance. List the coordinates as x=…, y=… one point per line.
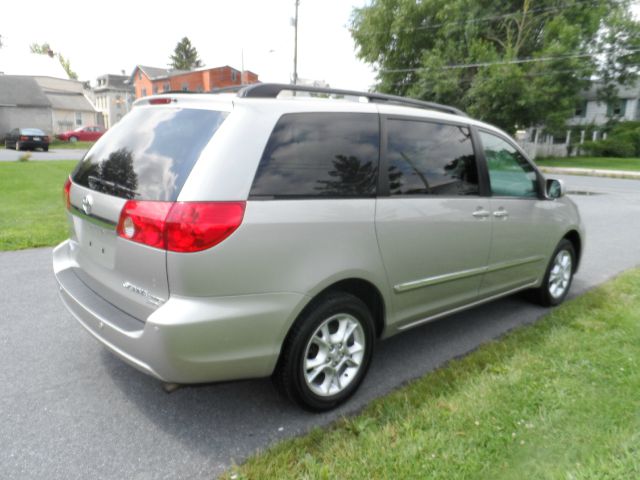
x=427, y=158
x=320, y=155
x=511, y=175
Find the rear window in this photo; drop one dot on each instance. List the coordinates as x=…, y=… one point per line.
x=320, y=155
x=149, y=154
x=31, y=131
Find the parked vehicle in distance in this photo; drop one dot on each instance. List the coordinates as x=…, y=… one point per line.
x=227, y=236
x=27, y=139
x=82, y=134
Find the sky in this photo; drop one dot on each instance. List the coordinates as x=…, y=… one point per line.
x=108, y=37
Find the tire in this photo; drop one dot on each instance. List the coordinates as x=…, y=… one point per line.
x=320, y=384
x=558, y=277
x=73, y=139
x=45, y=149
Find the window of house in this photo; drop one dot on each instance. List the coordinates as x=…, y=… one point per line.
x=617, y=108
x=155, y=89
x=320, y=155
x=144, y=92
x=166, y=87
x=581, y=109
x=185, y=87
x=510, y=173
x=78, y=118
x=234, y=75
x=139, y=75
x=426, y=158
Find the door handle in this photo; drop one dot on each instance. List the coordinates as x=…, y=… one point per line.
x=501, y=213
x=481, y=213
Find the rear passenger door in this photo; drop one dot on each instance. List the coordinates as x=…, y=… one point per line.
x=432, y=218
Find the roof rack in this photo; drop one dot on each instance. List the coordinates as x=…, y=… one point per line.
x=272, y=90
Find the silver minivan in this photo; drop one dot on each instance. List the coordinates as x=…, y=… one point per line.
x=270, y=233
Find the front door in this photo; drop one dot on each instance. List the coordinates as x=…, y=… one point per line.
x=521, y=217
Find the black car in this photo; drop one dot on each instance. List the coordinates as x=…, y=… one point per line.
x=27, y=139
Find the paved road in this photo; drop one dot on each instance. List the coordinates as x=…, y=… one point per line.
x=53, y=154
x=70, y=410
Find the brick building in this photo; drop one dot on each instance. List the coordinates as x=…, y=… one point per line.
x=152, y=80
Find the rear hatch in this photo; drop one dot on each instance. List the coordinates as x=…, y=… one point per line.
x=147, y=156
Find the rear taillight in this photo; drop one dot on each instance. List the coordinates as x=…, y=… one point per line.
x=23, y=138
x=179, y=226
x=66, y=193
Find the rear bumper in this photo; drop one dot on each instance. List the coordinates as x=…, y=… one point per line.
x=186, y=340
x=32, y=144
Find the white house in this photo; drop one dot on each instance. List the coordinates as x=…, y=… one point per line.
x=113, y=97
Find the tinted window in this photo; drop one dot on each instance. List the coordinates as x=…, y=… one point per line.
x=320, y=154
x=509, y=172
x=32, y=131
x=149, y=154
x=430, y=159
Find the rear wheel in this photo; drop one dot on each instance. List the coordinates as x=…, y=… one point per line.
x=327, y=353
x=559, y=275
x=45, y=149
x=73, y=139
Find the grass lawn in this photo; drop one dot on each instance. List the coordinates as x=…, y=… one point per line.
x=60, y=145
x=607, y=163
x=31, y=199
x=556, y=400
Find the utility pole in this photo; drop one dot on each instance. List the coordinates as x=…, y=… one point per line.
x=295, y=45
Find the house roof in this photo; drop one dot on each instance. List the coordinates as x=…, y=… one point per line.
x=155, y=73
x=113, y=82
x=69, y=101
x=22, y=90
x=27, y=91
x=65, y=94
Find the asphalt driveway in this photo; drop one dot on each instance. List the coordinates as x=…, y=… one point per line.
x=53, y=154
x=72, y=410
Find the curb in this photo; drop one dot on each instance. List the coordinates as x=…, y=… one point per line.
x=588, y=172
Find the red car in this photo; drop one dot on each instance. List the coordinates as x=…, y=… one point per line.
x=84, y=134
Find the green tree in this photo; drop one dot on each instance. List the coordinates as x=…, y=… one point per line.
x=515, y=63
x=185, y=56
x=45, y=49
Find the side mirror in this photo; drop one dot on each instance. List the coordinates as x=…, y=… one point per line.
x=555, y=188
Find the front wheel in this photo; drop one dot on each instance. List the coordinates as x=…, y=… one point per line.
x=559, y=275
x=73, y=139
x=327, y=353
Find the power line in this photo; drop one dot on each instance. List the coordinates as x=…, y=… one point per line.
x=503, y=62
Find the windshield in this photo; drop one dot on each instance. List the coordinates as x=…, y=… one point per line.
x=149, y=154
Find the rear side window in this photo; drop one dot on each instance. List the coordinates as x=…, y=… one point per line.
x=149, y=154
x=320, y=155
x=427, y=158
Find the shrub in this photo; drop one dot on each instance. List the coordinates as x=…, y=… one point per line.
x=623, y=140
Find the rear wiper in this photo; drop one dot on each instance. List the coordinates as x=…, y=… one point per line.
x=113, y=185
